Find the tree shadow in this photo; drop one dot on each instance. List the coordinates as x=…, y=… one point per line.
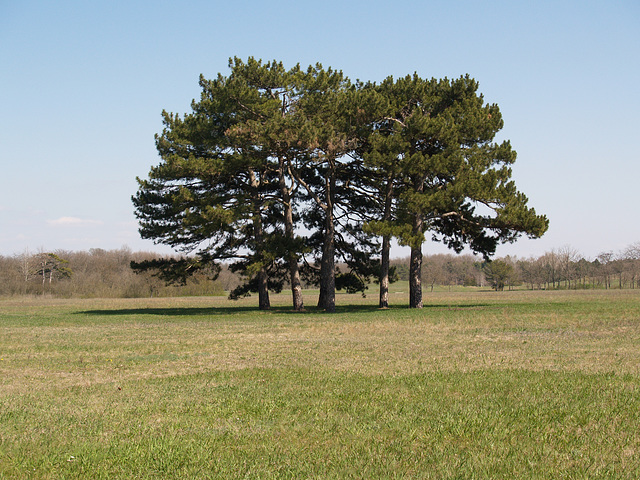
x=171, y=311
x=235, y=310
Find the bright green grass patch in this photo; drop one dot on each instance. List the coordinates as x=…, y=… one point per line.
x=318, y=424
x=475, y=385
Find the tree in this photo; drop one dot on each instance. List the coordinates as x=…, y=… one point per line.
x=567, y=259
x=551, y=266
x=382, y=152
x=50, y=266
x=212, y=194
x=605, y=267
x=632, y=257
x=325, y=146
x=335, y=181
x=433, y=270
x=498, y=272
x=269, y=125
x=454, y=181
x=532, y=272
x=25, y=260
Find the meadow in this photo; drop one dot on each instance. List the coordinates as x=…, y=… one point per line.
x=478, y=384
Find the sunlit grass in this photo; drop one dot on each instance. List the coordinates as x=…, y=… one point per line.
x=477, y=384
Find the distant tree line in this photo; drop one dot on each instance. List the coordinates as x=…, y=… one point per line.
x=566, y=268
x=563, y=268
x=95, y=273
x=101, y=273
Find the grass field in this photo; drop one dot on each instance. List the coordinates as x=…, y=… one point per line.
x=477, y=384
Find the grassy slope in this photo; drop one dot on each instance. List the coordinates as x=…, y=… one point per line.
x=475, y=385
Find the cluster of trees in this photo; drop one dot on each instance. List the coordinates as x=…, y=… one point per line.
x=284, y=174
x=444, y=270
x=96, y=273
x=563, y=268
x=567, y=268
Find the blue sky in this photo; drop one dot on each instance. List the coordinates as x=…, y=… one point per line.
x=83, y=84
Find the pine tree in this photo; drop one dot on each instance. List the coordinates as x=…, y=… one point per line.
x=210, y=194
x=269, y=125
x=334, y=180
x=453, y=180
x=382, y=152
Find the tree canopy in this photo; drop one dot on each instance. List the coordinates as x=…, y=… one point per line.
x=281, y=172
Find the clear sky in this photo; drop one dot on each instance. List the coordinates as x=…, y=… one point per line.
x=83, y=84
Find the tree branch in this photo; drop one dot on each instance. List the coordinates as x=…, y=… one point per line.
x=306, y=186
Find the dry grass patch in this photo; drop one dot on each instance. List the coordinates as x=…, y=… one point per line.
x=475, y=385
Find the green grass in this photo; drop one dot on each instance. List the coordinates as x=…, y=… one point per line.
x=477, y=384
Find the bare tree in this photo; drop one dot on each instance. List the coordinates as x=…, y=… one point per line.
x=632, y=258
x=567, y=257
x=25, y=264
x=604, y=260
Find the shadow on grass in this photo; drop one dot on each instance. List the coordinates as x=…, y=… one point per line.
x=241, y=310
x=174, y=311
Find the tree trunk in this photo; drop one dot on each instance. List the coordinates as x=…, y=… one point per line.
x=415, y=267
x=263, y=279
x=327, y=298
x=263, y=290
x=384, y=272
x=296, y=285
x=292, y=257
x=386, y=246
